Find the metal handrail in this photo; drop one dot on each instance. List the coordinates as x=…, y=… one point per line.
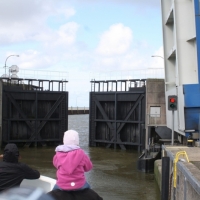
x=155, y=119
x=175, y=162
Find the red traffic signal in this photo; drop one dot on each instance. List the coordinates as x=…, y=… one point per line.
x=172, y=102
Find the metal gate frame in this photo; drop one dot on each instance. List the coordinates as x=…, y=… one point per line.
x=56, y=113
x=115, y=125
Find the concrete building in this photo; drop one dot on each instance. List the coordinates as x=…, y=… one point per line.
x=181, y=38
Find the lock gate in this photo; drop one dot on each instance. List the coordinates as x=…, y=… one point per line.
x=117, y=114
x=33, y=116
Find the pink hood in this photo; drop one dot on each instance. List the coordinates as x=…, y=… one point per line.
x=71, y=160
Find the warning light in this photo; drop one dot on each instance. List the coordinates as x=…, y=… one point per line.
x=172, y=102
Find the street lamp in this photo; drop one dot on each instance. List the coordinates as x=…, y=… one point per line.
x=157, y=56
x=6, y=61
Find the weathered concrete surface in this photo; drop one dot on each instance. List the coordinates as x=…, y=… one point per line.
x=157, y=172
x=155, y=97
x=188, y=174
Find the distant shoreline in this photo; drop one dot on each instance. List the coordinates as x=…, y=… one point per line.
x=78, y=110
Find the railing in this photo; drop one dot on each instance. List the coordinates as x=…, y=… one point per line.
x=45, y=79
x=36, y=84
x=116, y=85
x=130, y=74
x=154, y=147
x=38, y=74
x=154, y=120
x=78, y=108
x=56, y=77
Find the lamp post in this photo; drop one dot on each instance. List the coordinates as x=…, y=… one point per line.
x=6, y=61
x=157, y=56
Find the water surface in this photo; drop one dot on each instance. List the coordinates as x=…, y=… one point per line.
x=114, y=176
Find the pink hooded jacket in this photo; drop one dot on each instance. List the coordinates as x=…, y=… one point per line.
x=71, y=163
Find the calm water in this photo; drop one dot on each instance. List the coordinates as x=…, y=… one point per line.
x=114, y=176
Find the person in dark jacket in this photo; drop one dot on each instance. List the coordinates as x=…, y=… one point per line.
x=85, y=194
x=13, y=172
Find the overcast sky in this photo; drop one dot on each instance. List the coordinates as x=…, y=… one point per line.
x=83, y=39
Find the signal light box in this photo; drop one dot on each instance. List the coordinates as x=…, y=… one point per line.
x=172, y=102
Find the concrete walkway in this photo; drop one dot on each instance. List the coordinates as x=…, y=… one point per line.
x=188, y=174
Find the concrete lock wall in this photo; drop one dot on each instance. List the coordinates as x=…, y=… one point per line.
x=187, y=182
x=184, y=190
x=157, y=172
x=155, y=102
x=187, y=176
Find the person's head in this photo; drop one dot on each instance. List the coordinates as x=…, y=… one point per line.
x=71, y=137
x=11, y=153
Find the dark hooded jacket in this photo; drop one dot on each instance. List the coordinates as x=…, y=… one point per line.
x=13, y=172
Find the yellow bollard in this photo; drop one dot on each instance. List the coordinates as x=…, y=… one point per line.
x=175, y=162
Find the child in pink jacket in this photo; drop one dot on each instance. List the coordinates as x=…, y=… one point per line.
x=71, y=163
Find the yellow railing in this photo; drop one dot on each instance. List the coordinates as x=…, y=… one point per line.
x=175, y=162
